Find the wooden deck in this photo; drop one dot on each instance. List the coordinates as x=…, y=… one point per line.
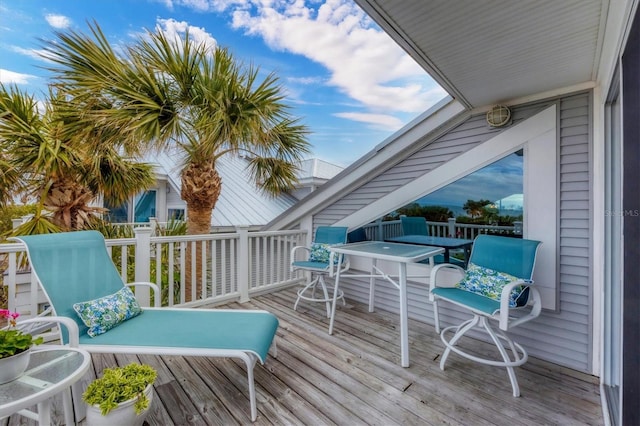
x=354, y=377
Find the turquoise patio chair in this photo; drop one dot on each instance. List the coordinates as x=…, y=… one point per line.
x=498, y=282
x=319, y=262
x=417, y=225
x=74, y=268
x=414, y=225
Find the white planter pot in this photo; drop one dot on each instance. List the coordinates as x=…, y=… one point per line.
x=123, y=415
x=12, y=367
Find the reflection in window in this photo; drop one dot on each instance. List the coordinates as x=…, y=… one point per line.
x=145, y=206
x=492, y=195
x=176, y=214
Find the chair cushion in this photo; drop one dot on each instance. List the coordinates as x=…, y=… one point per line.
x=102, y=314
x=489, y=283
x=320, y=252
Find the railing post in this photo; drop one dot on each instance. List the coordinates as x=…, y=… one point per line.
x=517, y=227
x=243, y=262
x=452, y=227
x=380, y=231
x=143, y=264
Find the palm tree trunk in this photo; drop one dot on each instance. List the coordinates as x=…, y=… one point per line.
x=201, y=186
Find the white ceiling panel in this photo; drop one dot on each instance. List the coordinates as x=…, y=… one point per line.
x=486, y=51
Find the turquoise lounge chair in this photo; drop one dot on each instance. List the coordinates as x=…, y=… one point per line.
x=75, y=267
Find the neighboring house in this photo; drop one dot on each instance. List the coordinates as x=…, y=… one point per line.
x=313, y=174
x=569, y=73
x=240, y=202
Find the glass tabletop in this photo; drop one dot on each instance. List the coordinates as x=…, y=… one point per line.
x=47, y=368
x=388, y=251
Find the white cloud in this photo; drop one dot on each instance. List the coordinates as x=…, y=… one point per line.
x=58, y=21
x=306, y=80
x=10, y=77
x=39, y=54
x=363, y=61
x=175, y=29
x=383, y=121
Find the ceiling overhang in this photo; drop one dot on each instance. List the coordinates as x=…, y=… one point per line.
x=485, y=52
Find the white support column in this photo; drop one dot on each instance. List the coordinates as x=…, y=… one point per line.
x=143, y=264
x=243, y=262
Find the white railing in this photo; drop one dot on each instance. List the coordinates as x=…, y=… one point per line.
x=224, y=267
x=381, y=230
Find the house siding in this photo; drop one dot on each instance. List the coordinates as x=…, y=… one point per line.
x=562, y=336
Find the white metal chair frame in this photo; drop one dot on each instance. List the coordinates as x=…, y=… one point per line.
x=511, y=352
x=318, y=270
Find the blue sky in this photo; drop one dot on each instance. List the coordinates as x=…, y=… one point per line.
x=347, y=80
x=501, y=180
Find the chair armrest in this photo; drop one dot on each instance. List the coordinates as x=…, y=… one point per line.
x=72, y=327
x=153, y=286
x=434, y=275
x=292, y=256
x=534, y=301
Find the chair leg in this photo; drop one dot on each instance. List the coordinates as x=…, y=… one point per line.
x=325, y=293
x=312, y=287
x=519, y=354
x=505, y=355
x=250, y=361
x=461, y=330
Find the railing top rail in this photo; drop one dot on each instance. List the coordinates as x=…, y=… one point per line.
x=117, y=242
x=11, y=247
x=277, y=233
x=189, y=238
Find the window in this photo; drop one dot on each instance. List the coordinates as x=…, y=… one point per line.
x=492, y=195
x=175, y=214
x=145, y=206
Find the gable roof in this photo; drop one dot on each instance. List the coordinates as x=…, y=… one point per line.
x=240, y=202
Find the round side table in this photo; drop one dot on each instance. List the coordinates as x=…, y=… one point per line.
x=51, y=370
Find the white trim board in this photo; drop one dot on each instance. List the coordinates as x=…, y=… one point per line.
x=537, y=135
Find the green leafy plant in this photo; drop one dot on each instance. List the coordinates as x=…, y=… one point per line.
x=120, y=384
x=12, y=340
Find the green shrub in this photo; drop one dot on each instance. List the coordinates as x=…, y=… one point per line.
x=8, y=213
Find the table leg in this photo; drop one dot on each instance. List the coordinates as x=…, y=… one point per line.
x=446, y=255
x=404, y=318
x=44, y=413
x=335, y=300
x=372, y=285
x=467, y=255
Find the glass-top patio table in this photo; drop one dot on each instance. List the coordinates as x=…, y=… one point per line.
x=446, y=243
x=393, y=252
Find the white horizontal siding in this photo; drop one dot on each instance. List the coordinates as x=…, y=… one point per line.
x=563, y=337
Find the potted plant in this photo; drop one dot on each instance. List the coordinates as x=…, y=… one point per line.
x=15, y=348
x=121, y=396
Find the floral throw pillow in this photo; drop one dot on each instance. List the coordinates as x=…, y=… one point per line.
x=489, y=283
x=102, y=314
x=320, y=253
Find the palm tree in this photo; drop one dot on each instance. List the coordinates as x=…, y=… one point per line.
x=475, y=208
x=176, y=93
x=65, y=173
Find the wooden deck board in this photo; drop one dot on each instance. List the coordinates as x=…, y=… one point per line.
x=354, y=377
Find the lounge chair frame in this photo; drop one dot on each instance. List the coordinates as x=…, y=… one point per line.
x=258, y=327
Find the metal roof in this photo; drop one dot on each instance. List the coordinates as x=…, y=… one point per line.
x=240, y=202
x=485, y=52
